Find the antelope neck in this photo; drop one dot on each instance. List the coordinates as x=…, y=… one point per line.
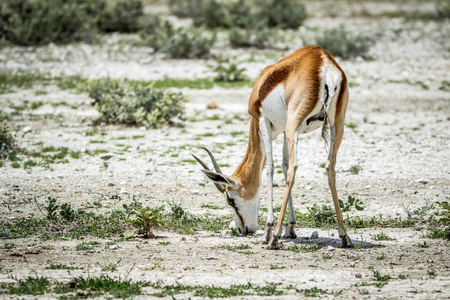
x=249, y=171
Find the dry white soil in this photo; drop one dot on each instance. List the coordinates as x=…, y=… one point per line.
x=401, y=142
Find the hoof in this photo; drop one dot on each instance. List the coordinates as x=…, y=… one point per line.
x=346, y=241
x=289, y=232
x=273, y=243
x=267, y=234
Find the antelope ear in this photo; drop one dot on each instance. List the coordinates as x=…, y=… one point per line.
x=222, y=179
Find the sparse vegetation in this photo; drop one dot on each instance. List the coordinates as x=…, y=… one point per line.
x=381, y=237
x=268, y=13
x=443, y=9
x=123, y=102
x=146, y=220
x=29, y=22
x=178, y=42
x=7, y=141
x=355, y=169
x=303, y=248
x=343, y=43
x=228, y=71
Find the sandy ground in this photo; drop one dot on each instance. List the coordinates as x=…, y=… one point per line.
x=401, y=142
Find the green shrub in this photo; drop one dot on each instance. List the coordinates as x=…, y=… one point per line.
x=260, y=38
x=33, y=22
x=146, y=219
x=7, y=140
x=122, y=102
x=443, y=9
x=340, y=42
x=228, y=71
x=178, y=43
x=190, y=43
x=123, y=17
x=186, y=8
x=232, y=14
x=40, y=22
x=283, y=13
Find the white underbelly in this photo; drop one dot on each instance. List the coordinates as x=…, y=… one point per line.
x=273, y=109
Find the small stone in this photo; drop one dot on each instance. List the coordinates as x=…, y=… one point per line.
x=195, y=192
x=106, y=156
x=422, y=180
x=314, y=235
x=331, y=248
x=26, y=129
x=308, y=188
x=123, y=191
x=211, y=105
x=142, y=128
x=114, y=247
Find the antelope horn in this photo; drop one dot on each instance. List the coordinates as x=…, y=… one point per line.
x=220, y=187
x=216, y=166
x=200, y=161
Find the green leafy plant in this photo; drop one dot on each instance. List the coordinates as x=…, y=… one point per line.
x=322, y=214
x=31, y=286
x=186, y=8
x=303, y=248
x=67, y=213
x=124, y=16
x=122, y=102
x=341, y=42
x=228, y=71
x=257, y=37
x=28, y=22
x=443, y=9
x=31, y=22
x=381, y=237
x=145, y=220
x=355, y=169
x=242, y=14
x=442, y=227
x=351, y=201
x=7, y=141
x=284, y=13
x=51, y=208
x=178, y=42
x=379, y=277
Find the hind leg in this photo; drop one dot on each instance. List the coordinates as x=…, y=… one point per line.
x=337, y=132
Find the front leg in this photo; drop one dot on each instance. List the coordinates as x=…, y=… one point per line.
x=293, y=165
x=289, y=232
x=266, y=135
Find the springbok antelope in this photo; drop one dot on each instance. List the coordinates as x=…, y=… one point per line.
x=302, y=92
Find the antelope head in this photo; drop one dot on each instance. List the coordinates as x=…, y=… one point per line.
x=245, y=211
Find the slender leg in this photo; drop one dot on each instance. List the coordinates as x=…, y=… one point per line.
x=289, y=229
x=336, y=138
x=293, y=165
x=266, y=133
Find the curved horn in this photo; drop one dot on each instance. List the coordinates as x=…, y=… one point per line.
x=200, y=161
x=220, y=187
x=216, y=166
